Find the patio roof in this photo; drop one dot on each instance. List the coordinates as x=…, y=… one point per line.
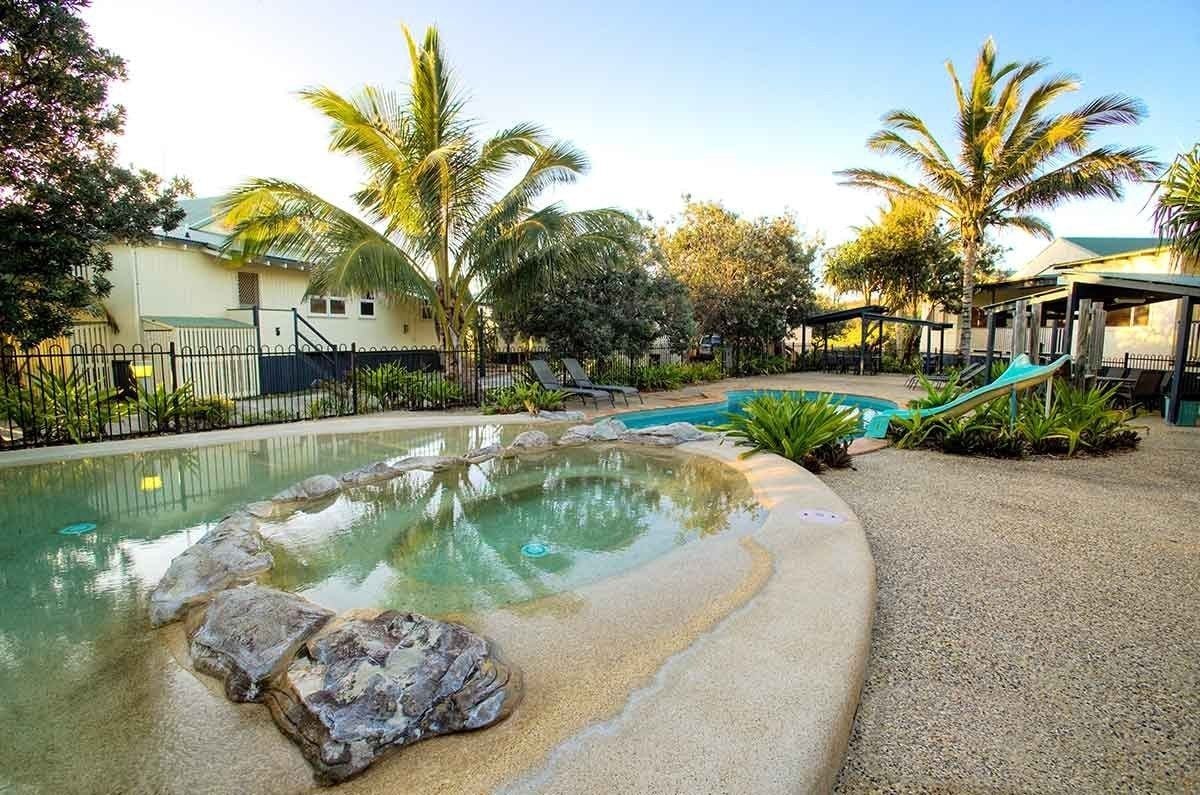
x=1117, y=289
x=838, y=315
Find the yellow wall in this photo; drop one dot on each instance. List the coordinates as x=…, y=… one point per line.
x=169, y=279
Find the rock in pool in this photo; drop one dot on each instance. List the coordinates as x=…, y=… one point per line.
x=365, y=686
x=248, y=635
x=230, y=554
x=530, y=440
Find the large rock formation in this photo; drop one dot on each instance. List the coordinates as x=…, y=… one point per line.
x=481, y=454
x=428, y=463
x=230, y=554
x=369, y=684
x=371, y=473
x=666, y=435
x=530, y=440
x=608, y=430
x=250, y=634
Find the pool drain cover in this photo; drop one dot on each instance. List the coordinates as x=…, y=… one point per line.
x=822, y=517
x=78, y=529
x=535, y=549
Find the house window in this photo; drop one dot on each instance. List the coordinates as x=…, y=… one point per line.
x=366, y=305
x=326, y=306
x=1141, y=316
x=426, y=310
x=247, y=289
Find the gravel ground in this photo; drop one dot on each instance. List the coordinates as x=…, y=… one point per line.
x=1038, y=623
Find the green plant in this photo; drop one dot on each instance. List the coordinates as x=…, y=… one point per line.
x=164, y=409
x=71, y=407
x=529, y=397
x=763, y=365
x=807, y=431
x=935, y=394
x=436, y=391
x=445, y=215
x=1013, y=157
x=211, y=412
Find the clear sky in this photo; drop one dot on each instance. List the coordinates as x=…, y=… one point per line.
x=755, y=105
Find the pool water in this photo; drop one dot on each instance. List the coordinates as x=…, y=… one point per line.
x=717, y=412
x=85, y=685
x=505, y=532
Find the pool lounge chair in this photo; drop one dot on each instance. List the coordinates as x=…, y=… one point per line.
x=965, y=376
x=546, y=377
x=580, y=377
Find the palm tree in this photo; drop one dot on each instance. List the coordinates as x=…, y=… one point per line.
x=1177, y=211
x=445, y=217
x=1013, y=159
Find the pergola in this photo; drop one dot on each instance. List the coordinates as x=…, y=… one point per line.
x=869, y=315
x=1085, y=297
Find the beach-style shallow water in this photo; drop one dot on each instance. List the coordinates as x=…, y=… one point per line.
x=85, y=685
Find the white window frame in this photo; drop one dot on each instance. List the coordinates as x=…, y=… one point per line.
x=328, y=299
x=368, y=298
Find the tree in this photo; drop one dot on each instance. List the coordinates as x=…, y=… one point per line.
x=1014, y=158
x=436, y=222
x=905, y=259
x=1177, y=208
x=622, y=308
x=748, y=280
x=62, y=195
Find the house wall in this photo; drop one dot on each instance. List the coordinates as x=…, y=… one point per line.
x=170, y=279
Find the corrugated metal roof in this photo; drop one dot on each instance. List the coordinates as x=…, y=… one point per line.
x=187, y=321
x=200, y=213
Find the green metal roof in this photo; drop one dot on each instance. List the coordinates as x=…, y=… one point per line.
x=186, y=321
x=1113, y=246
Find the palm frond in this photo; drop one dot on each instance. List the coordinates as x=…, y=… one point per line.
x=1177, y=207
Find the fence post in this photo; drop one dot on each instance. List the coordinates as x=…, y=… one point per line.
x=1126, y=360
x=353, y=378
x=480, y=365
x=174, y=368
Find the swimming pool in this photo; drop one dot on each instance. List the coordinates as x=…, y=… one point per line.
x=715, y=413
x=89, y=693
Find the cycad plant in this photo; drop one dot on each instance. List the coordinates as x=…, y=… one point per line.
x=444, y=216
x=812, y=432
x=1013, y=157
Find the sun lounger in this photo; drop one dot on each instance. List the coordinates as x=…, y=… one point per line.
x=580, y=377
x=546, y=377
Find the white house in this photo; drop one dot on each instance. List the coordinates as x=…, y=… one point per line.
x=179, y=288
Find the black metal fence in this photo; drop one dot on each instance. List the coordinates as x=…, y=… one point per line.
x=56, y=395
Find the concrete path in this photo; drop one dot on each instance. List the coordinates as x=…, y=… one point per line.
x=1038, y=622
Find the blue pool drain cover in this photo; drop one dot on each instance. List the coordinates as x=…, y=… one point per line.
x=535, y=549
x=78, y=529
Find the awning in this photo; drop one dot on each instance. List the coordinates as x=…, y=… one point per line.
x=192, y=321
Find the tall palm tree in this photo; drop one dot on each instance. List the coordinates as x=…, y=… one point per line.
x=1177, y=210
x=1014, y=158
x=444, y=217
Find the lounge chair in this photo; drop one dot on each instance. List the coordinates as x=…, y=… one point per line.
x=546, y=377
x=580, y=377
x=965, y=376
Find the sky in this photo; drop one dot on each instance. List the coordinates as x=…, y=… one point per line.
x=754, y=105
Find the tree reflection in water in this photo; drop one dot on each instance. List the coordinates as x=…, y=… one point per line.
x=453, y=541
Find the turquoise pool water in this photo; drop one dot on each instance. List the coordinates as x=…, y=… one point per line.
x=85, y=685
x=715, y=413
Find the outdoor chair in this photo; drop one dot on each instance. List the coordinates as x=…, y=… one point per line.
x=581, y=379
x=546, y=377
x=965, y=376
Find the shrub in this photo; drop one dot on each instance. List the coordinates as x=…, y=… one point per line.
x=64, y=407
x=763, y=365
x=391, y=386
x=165, y=409
x=522, y=397
x=211, y=412
x=814, y=432
x=1078, y=420
x=936, y=395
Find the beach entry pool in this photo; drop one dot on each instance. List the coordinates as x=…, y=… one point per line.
x=89, y=693
x=504, y=532
x=715, y=413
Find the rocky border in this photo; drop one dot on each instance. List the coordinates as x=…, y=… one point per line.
x=369, y=682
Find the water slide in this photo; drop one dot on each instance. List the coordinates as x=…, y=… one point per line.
x=1021, y=374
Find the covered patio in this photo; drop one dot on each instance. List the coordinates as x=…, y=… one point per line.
x=1075, y=313
x=872, y=316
